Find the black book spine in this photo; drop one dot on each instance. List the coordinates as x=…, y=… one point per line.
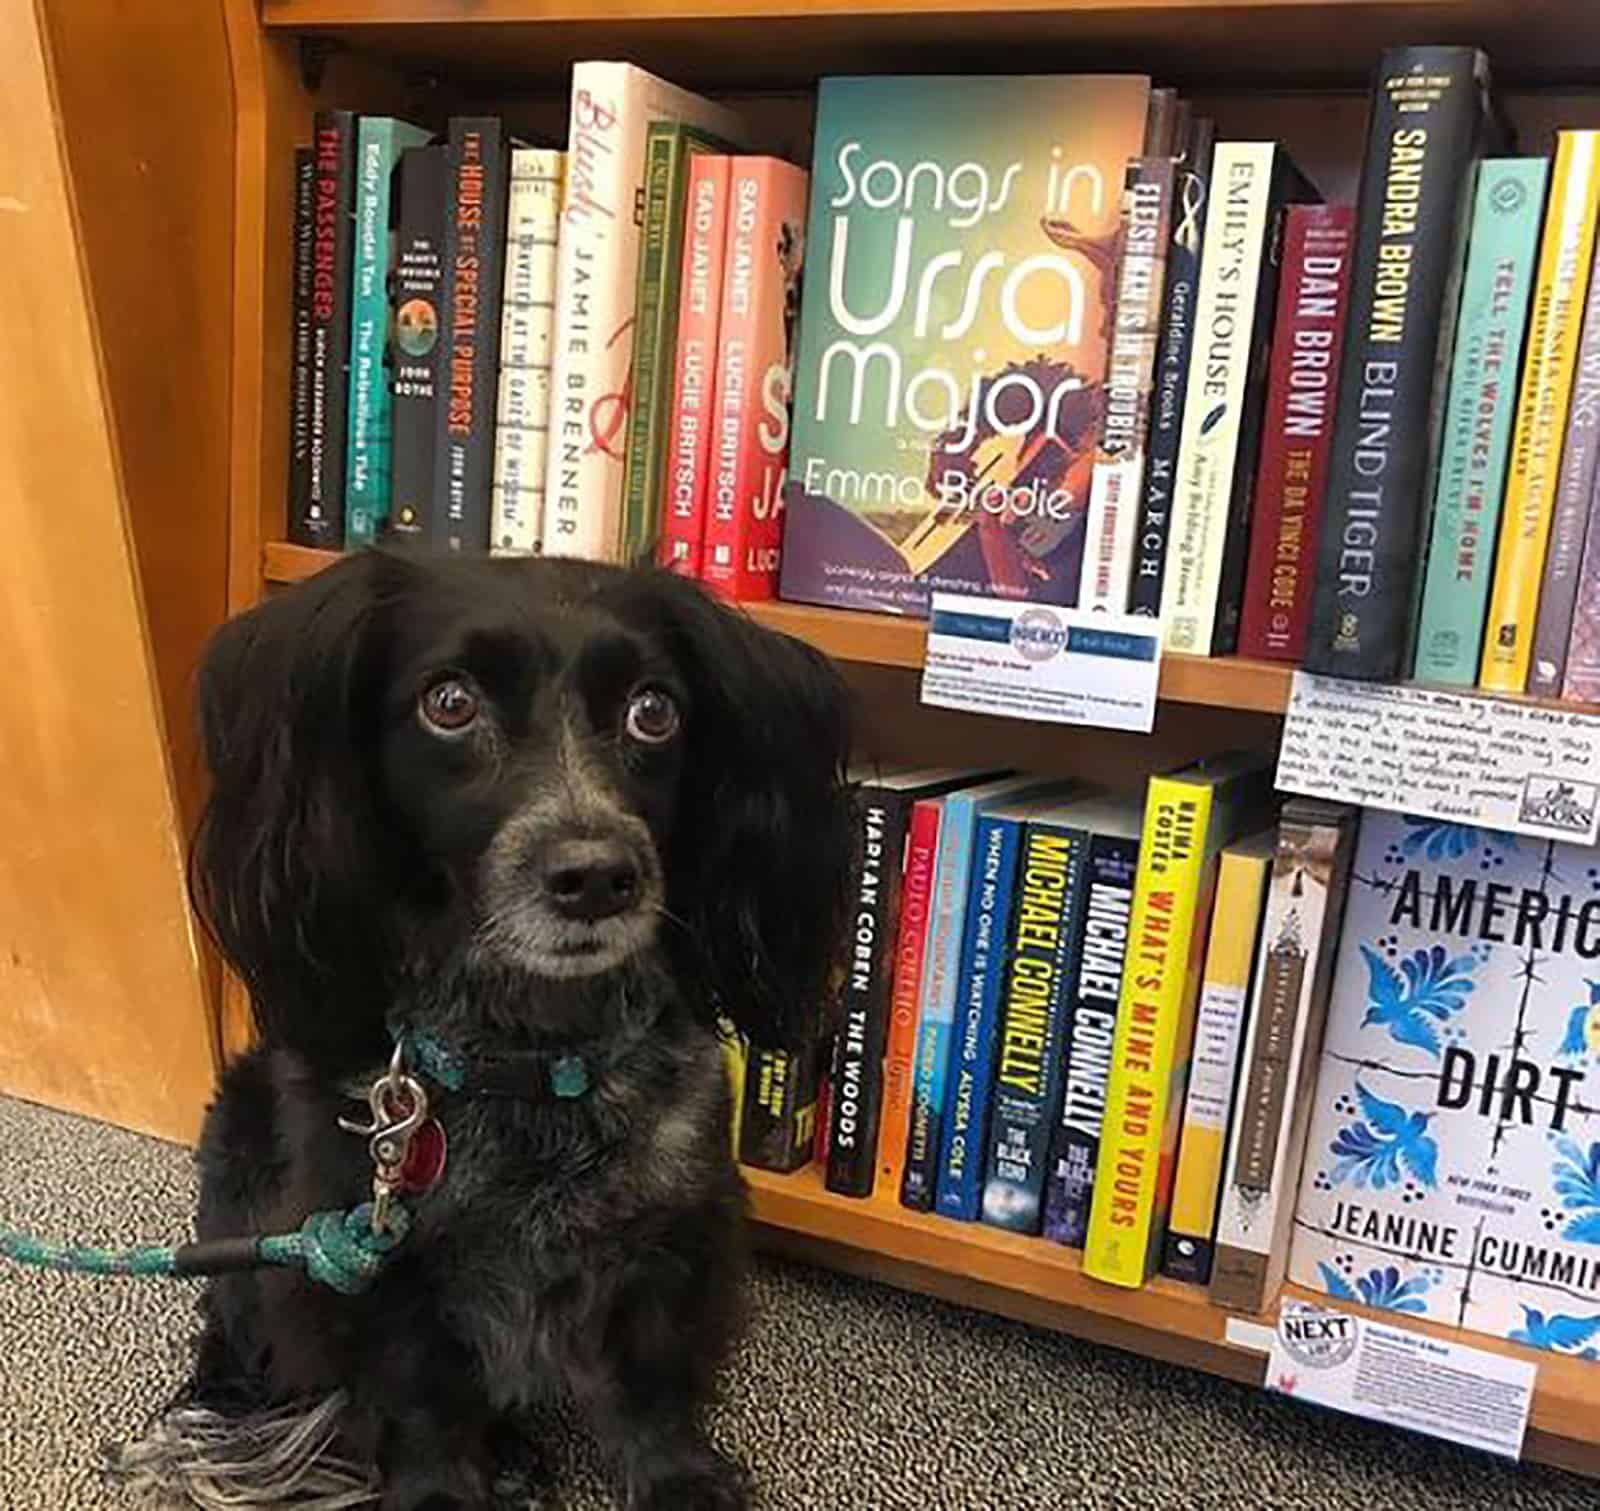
x=416, y=289
x=1172, y=369
x=1430, y=115
x=778, y=1128
x=319, y=521
x=474, y=258
x=856, y=1102
x=300, y=341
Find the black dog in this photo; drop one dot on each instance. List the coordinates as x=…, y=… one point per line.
x=531, y=810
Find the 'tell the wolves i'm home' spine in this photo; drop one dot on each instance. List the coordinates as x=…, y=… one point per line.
x=474, y=281
x=418, y=340
x=1428, y=124
x=305, y=189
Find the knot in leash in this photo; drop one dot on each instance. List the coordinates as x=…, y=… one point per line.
x=341, y=1250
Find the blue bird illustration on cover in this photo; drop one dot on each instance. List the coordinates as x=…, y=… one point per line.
x=1557, y=1332
x=1583, y=1025
x=1577, y=1183
x=1428, y=990
x=1392, y=1139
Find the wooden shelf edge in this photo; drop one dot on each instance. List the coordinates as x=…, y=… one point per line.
x=889, y=640
x=1040, y=1283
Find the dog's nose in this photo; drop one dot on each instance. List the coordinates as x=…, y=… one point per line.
x=590, y=879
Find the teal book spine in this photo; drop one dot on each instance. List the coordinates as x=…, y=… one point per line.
x=1503, y=250
x=380, y=139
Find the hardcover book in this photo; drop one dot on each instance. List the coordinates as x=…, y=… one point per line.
x=1566, y=254
x=305, y=197
x=778, y=1109
x=597, y=268
x=755, y=367
x=1252, y=184
x=1301, y=388
x=953, y=341
x=1172, y=368
x=1283, y=1039
x=1581, y=674
x=1188, y=817
x=1453, y=1168
x=1508, y=210
x=527, y=330
x=1425, y=134
x=380, y=140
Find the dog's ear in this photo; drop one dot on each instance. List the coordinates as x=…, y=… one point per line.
x=285, y=866
x=762, y=855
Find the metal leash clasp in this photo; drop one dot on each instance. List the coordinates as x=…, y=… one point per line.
x=399, y=1108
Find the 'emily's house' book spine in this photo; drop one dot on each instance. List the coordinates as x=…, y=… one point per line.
x=991, y=892
x=1301, y=389
x=1428, y=122
x=527, y=330
x=1090, y=1032
x=1188, y=817
x=1560, y=289
x=596, y=283
x=418, y=339
x=1045, y=938
x=755, y=369
x=1283, y=1042
x=1118, y=480
x=321, y=521
x=1214, y=1069
x=694, y=371
x=954, y=333
x=1252, y=183
x=380, y=140
x=1502, y=250
x=1193, y=188
x=474, y=276
x=305, y=190
x=1570, y=527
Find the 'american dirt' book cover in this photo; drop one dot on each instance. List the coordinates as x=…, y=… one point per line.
x=964, y=236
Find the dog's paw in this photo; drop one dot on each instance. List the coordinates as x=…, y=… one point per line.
x=711, y=1483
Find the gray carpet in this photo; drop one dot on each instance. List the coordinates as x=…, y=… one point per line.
x=845, y=1395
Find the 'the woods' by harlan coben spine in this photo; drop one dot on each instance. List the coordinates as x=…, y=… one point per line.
x=418, y=339
x=1429, y=122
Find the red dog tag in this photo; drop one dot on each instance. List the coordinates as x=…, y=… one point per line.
x=424, y=1162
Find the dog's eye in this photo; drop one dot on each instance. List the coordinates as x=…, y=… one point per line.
x=652, y=716
x=449, y=706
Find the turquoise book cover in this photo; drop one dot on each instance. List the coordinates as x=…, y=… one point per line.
x=380, y=140
x=964, y=237
x=1503, y=248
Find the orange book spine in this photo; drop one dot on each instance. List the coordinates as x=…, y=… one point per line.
x=755, y=364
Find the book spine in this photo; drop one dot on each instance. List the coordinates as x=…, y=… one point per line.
x=1475, y=431
x=777, y=1129
x=418, y=349
x=1298, y=430
x=305, y=187
x=736, y=1060
x=1221, y=423
x=990, y=893
x=527, y=327
x=1428, y=119
x=1581, y=681
x=1046, y=938
x=321, y=522
x=474, y=248
x=1171, y=891
x=1192, y=191
x=1218, y=1034
x=1560, y=290
x=755, y=366
x=596, y=267
x=1090, y=1032
x=688, y=461
x=1118, y=477
x=856, y=1095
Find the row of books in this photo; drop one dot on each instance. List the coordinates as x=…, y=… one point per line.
x=1209, y=1035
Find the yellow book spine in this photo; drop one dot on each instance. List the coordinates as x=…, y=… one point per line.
x=735, y=1056
x=1565, y=254
x=1224, y=998
x=1120, y=1244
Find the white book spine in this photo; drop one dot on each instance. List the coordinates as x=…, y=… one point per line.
x=1219, y=366
x=596, y=286
x=527, y=330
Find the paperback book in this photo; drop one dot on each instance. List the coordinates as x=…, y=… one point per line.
x=418, y=323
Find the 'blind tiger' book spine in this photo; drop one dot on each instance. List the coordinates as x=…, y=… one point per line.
x=305, y=188
x=1427, y=126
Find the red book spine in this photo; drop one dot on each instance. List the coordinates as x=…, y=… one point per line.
x=900, y=1049
x=688, y=469
x=755, y=364
x=1302, y=399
